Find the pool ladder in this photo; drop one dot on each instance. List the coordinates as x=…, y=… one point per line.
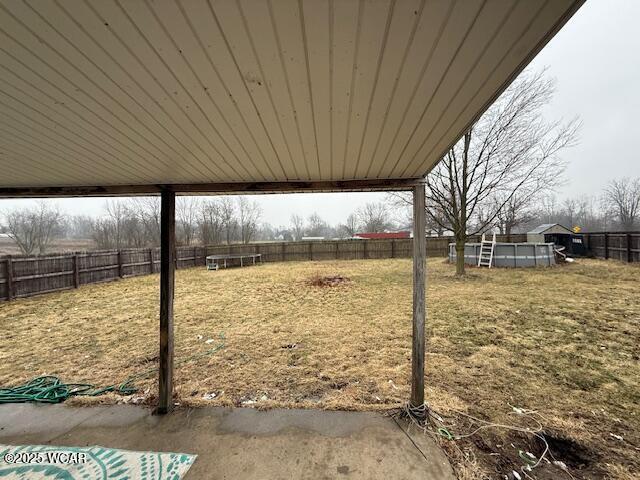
x=486, y=251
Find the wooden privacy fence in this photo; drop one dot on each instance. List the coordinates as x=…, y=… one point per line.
x=24, y=276
x=623, y=246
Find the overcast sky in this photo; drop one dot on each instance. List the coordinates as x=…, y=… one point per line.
x=595, y=60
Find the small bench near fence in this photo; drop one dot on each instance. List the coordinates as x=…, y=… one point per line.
x=215, y=262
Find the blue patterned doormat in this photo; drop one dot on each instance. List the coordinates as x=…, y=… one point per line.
x=44, y=462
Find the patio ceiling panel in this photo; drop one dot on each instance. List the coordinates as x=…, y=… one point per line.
x=135, y=93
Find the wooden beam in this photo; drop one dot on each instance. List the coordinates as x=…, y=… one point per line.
x=167, y=277
x=384, y=184
x=419, y=283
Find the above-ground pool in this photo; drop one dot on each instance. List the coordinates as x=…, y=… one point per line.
x=509, y=254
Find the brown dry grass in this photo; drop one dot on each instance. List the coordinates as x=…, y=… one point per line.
x=562, y=341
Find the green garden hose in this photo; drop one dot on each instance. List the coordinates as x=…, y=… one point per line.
x=50, y=389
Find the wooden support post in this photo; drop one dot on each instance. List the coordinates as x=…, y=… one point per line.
x=284, y=246
x=310, y=250
x=337, y=250
x=629, y=253
x=120, y=272
x=11, y=292
x=419, y=283
x=151, y=266
x=167, y=277
x=393, y=248
x=606, y=246
x=76, y=271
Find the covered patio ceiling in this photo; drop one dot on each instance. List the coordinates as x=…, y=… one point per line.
x=130, y=97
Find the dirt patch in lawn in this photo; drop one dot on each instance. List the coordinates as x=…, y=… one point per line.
x=563, y=342
x=328, y=280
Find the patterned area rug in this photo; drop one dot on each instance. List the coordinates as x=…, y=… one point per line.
x=43, y=462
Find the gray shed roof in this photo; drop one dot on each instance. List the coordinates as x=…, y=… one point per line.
x=548, y=226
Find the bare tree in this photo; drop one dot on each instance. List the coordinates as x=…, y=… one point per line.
x=297, y=227
x=510, y=151
x=515, y=211
x=249, y=213
x=350, y=227
x=316, y=226
x=210, y=223
x=623, y=199
x=78, y=226
x=102, y=233
x=374, y=217
x=549, y=208
x=147, y=211
x=34, y=229
x=116, y=213
x=187, y=209
x=228, y=218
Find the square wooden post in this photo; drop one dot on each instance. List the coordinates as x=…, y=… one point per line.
x=167, y=277
x=419, y=283
x=76, y=271
x=11, y=292
x=120, y=271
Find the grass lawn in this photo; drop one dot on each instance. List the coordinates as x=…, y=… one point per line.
x=564, y=342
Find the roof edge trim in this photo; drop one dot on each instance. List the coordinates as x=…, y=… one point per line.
x=214, y=188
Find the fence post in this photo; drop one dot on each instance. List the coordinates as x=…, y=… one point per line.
x=629, y=253
x=10, y=287
x=393, y=248
x=284, y=246
x=310, y=250
x=151, y=260
x=337, y=248
x=365, y=251
x=120, y=263
x=76, y=271
x=587, y=242
x=606, y=246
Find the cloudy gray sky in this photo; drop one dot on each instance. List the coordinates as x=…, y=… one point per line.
x=596, y=62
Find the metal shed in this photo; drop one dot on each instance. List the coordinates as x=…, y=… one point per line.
x=570, y=242
x=170, y=97
x=537, y=235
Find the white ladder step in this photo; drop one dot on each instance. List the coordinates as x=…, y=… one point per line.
x=486, y=251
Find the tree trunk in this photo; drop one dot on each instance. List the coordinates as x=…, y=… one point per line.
x=460, y=241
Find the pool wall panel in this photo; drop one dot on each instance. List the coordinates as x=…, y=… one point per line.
x=513, y=255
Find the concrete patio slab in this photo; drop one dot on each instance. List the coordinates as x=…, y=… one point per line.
x=241, y=443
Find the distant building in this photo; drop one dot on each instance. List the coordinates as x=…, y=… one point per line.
x=307, y=239
x=383, y=235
